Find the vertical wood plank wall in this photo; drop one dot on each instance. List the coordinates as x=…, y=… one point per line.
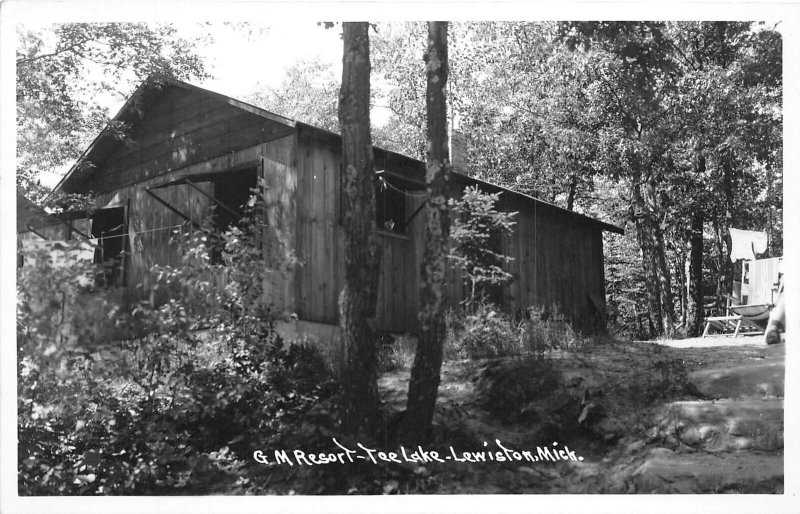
x=280, y=182
x=320, y=246
x=557, y=259
x=558, y=263
x=155, y=231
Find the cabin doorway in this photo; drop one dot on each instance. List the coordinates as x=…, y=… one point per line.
x=108, y=228
x=232, y=191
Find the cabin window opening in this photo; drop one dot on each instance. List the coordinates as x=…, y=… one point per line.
x=233, y=190
x=390, y=208
x=110, y=231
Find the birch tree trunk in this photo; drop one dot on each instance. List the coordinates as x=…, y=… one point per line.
x=362, y=248
x=425, y=375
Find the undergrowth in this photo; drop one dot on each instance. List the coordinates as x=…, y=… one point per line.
x=175, y=409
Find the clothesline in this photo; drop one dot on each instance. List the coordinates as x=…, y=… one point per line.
x=158, y=229
x=137, y=232
x=387, y=183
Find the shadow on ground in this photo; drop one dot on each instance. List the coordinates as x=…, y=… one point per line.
x=691, y=416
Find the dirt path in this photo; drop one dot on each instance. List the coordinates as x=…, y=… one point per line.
x=692, y=416
x=733, y=440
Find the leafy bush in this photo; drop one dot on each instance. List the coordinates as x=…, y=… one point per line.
x=476, y=234
x=174, y=409
x=485, y=333
x=546, y=329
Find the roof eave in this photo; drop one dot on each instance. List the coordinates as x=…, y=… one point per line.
x=602, y=224
x=165, y=81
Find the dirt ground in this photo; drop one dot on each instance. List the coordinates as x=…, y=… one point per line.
x=688, y=416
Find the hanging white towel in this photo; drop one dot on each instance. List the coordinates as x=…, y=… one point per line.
x=746, y=244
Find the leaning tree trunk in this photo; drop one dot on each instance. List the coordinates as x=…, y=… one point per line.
x=425, y=375
x=362, y=249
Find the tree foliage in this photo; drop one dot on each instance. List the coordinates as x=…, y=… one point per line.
x=476, y=233
x=309, y=92
x=172, y=401
x=61, y=72
x=656, y=126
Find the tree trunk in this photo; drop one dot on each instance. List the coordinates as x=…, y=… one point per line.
x=722, y=227
x=679, y=262
x=425, y=375
x=660, y=260
x=695, y=308
x=722, y=287
x=643, y=225
x=664, y=281
x=573, y=187
x=362, y=248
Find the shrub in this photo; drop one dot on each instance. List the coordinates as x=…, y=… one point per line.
x=485, y=333
x=476, y=234
x=488, y=333
x=396, y=353
x=174, y=409
x=545, y=330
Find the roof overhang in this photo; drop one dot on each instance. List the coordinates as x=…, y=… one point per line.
x=411, y=176
x=541, y=203
x=133, y=110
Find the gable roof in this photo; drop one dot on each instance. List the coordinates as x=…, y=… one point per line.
x=31, y=217
x=153, y=87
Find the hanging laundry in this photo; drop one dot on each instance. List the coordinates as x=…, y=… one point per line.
x=746, y=244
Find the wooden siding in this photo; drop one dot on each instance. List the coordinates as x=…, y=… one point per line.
x=319, y=240
x=181, y=128
x=280, y=181
x=156, y=232
x=320, y=246
x=558, y=259
x=558, y=263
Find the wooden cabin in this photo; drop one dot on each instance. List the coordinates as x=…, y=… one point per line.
x=188, y=149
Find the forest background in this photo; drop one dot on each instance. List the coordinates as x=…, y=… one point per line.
x=672, y=130
x=544, y=112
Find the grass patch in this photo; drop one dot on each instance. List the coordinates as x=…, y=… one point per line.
x=396, y=353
